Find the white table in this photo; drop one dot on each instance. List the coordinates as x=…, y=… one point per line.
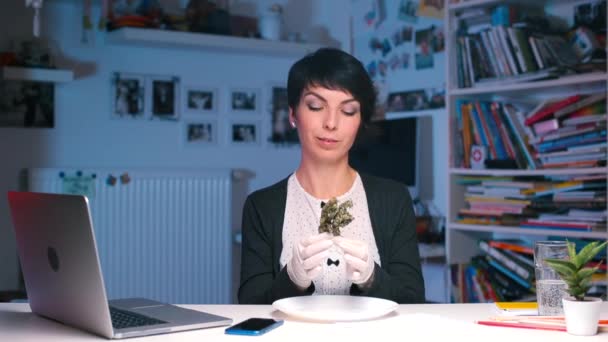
x=425, y=322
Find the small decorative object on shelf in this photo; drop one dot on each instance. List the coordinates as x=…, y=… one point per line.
x=270, y=23
x=581, y=312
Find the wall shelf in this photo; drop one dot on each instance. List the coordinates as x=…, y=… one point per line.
x=539, y=172
x=176, y=39
x=526, y=231
x=575, y=81
x=36, y=74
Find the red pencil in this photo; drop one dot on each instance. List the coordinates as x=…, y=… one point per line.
x=523, y=325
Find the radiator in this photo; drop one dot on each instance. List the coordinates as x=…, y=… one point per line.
x=164, y=235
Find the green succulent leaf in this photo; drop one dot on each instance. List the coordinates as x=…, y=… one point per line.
x=587, y=253
x=571, y=250
x=564, y=267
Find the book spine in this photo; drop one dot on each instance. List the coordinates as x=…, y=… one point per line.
x=523, y=272
x=485, y=130
x=506, y=46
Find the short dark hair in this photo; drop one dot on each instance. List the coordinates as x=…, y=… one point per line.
x=332, y=69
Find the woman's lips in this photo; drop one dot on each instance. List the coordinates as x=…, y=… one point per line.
x=327, y=141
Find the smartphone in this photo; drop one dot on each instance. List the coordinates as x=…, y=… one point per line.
x=254, y=326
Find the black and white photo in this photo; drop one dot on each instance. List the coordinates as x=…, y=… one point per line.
x=27, y=104
x=201, y=132
x=200, y=100
x=128, y=95
x=164, y=94
x=244, y=100
x=244, y=133
x=282, y=132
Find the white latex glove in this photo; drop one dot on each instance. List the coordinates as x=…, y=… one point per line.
x=306, y=260
x=359, y=264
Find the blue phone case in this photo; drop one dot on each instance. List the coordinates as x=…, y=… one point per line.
x=234, y=330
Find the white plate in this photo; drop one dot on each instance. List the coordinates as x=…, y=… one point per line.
x=335, y=308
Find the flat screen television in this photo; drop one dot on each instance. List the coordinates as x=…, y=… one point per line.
x=389, y=149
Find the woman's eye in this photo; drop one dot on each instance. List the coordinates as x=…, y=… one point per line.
x=314, y=108
x=350, y=112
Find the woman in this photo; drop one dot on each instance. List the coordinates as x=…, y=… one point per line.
x=330, y=99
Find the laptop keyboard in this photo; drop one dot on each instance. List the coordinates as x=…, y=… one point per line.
x=125, y=319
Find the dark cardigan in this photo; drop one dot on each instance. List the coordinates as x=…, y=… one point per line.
x=393, y=222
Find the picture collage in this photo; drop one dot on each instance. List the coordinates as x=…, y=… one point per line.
x=398, y=41
x=210, y=116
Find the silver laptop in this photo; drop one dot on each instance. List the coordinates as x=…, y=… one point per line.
x=63, y=277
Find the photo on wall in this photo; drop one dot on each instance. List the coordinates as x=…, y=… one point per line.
x=201, y=133
x=406, y=101
x=200, y=100
x=408, y=11
x=164, y=93
x=128, y=95
x=282, y=132
x=27, y=104
x=244, y=133
x=424, y=48
x=245, y=101
x=431, y=8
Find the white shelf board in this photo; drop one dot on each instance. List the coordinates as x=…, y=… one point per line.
x=177, y=39
x=464, y=4
x=524, y=87
x=36, y=74
x=539, y=172
x=413, y=114
x=431, y=250
x=526, y=231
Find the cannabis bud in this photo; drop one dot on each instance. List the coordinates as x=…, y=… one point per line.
x=334, y=216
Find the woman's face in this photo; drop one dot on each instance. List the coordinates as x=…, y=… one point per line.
x=327, y=122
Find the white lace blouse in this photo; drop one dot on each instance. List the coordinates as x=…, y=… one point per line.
x=302, y=216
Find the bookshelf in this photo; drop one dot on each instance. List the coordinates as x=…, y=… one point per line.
x=525, y=98
x=189, y=40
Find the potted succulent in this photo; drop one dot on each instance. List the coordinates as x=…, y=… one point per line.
x=581, y=313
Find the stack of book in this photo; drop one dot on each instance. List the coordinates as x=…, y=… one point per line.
x=504, y=272
x=509, y=44
x=563, y=132
x=568, y=133
x=573, y=202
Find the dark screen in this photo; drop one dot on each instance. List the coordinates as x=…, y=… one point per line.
x=254, y=324
x=387, y=149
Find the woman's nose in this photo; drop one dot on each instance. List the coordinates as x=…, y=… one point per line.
x=331, y=121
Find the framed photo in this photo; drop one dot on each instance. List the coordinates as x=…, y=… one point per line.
x=27, y=104
x=164, y=97
x=128, y=95
x=201, y=133
x=244, y=100
x=244, y=133
x=282, y=132
x=200, y=100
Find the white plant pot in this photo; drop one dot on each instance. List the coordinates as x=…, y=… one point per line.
x=582, y=316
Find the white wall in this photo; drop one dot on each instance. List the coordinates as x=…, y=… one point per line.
x=84, y=135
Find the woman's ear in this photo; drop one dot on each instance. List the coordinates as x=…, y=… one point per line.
x=292, y=118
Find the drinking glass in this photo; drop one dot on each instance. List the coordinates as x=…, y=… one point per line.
x=550, y=288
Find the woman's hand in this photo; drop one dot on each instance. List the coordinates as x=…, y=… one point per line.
x=306, y=260
x=359, y=264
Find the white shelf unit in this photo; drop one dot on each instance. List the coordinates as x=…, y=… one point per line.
x=462, y=239
x=36, y=74
x=191, y=40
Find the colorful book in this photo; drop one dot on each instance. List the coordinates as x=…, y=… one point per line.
x=548, y=110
